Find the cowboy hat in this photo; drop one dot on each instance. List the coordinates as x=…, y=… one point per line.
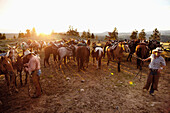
x=158, y=49
x=27, y=52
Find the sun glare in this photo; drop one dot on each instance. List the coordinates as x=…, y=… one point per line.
x=43, y=31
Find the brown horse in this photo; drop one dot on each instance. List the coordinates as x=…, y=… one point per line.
x=17, y=61
x=142, y=52
x=82, y=56
x=116, y=52
x=132, y=46
x=51, y=49
x=6, y=68
x=98, y=54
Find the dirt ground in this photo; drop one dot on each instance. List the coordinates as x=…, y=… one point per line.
x=90, y=90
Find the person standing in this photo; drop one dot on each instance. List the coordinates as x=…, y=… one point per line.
x=156, y=65
x=33, y=68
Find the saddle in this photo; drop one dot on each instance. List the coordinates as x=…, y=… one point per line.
x=82, y=44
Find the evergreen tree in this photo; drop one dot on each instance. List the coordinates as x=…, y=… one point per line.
x=155, y=35
x=134, y=35
x=72, y=32
x=84, y=34
x=14, y=37
x=88, y=34
x=28, y=34
x=92, y=36
x=142, y=35
x=3, y=36
x=112, y=35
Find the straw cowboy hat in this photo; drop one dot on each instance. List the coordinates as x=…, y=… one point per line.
x=27, y=52
x=158, y=49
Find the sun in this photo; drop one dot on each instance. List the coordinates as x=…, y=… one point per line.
x=43, y=30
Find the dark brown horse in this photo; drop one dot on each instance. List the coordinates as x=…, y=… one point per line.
x=6, y=68
x=132, y=46
x=116, y=52
x=51, y=49
x=142, y=52
x=82, y=56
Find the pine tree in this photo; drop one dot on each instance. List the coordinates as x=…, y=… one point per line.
x=112, y=35
x=155, y=35
x=84, y=34
x=142, y=35
x=134, y=35
x=92, y=36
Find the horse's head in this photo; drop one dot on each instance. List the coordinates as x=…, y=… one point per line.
x=12, y=53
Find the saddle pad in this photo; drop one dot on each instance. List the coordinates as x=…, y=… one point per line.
x=98, y=48
x=3, y=54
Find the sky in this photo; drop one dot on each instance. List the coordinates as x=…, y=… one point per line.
x=96, y=15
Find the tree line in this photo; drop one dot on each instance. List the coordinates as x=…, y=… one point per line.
x=88, y=35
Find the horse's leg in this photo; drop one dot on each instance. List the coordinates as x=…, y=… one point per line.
x=78, y=64
x=65, y=60
x=13, y=79
x=59, y=63
x=104, y=52
x=100, y=62
x=8, y=83
x=93, y=60
x=26, y=76
x=128, y=56
x=97, y=62
x=119, y=66
x=20, y=77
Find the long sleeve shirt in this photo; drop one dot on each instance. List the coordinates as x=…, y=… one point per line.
x=33, y=64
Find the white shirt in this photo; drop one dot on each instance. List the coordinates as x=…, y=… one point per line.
x=156, y=62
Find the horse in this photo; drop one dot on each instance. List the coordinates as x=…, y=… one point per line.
x=98, y=54
x=82, y=56
x=51, y=49
x=142, y=52
x=108, y=44
x=17, y=61
x=64, y=52
x=132, y=46
x=35, y=46
x=43, y=44
x=12, y=53
x=6, y=68
x=116, y=52
x=24, y=46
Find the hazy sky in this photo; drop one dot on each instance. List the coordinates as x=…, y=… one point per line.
x=96, y=15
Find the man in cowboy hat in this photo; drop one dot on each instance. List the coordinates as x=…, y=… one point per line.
x=33, y=68
x=156, y=65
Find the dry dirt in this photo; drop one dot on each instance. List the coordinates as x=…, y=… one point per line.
x=90, y=90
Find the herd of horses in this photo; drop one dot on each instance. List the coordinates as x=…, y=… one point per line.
x=78, y=50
